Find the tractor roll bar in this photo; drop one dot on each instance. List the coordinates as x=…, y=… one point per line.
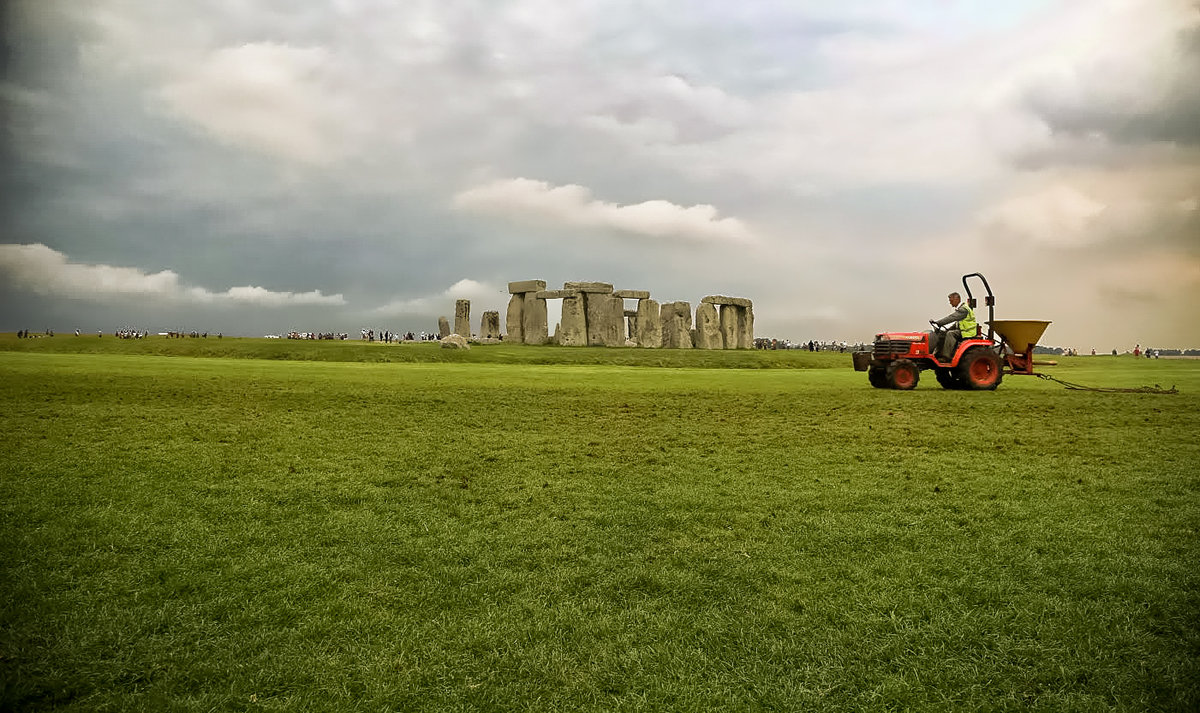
x=990, y=300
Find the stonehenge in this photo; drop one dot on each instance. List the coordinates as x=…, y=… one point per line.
x=526, y=322
x=594, y=314
x=737, y=321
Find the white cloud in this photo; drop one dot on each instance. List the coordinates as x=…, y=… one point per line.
x=466, y=289
x=42, y=270
x=573, y=205
x=1057, y=214
x=267, y=97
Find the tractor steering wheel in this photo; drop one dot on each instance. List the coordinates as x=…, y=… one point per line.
x=936, y=327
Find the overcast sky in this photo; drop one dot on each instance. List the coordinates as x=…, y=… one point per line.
x=332, y=165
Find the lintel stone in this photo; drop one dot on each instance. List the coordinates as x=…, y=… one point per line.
x=602, y=287
x=723, y=300
x=556, y=294
x=516, y=288
x=632, y=294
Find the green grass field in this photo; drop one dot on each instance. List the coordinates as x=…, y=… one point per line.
x=254, y=525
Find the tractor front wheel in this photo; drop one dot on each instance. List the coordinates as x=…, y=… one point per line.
x=979, y=369
x=903, y=374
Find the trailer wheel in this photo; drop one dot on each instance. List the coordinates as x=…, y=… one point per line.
x=948, y=379
x=877, y=375
x=979, y=369
x=903, y=374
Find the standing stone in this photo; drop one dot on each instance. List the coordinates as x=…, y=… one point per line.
x=515, y=318
x=676, y=325
x=615, y=327
x=649, y=324
x=631, y=322
x=573, y=327
x=489, y=326
x=708, y=327
x=534, y=319
x=746, y=327
x=605, y=316
x=462, y=318
x=729, y=325
x=443, y=327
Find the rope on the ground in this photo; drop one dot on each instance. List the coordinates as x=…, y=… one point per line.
x=1156, y=389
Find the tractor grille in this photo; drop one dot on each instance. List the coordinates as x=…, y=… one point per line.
x=885, y=348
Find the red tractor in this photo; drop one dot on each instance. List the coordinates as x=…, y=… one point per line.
x=978, y=363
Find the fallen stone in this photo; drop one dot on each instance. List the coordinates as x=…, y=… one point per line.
x=632, y=294
x=523, y=286
x=455, y=341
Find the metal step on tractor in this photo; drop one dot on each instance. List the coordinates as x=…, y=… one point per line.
x=979, y=363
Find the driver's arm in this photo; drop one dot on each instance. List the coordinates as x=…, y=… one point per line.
x=952, y=318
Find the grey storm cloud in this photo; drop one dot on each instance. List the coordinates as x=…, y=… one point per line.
x=1159, y=104
x=354, y=161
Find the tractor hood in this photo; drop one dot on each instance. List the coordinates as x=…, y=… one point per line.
x=901, y=336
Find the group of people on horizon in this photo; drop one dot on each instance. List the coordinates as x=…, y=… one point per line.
x=318, y=335
x=388, y=337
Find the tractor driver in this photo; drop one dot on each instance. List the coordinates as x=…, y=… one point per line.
x=965, y=327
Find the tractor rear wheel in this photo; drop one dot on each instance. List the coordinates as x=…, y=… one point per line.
x=877, y=375
x=979, y=369
x=903, y=374
x=947, y=378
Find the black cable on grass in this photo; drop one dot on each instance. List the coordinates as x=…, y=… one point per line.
x=1156, y=389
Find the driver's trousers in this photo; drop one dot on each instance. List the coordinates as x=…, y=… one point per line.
x=949, y=342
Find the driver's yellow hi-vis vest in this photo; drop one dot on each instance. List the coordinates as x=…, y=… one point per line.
x=967, y=326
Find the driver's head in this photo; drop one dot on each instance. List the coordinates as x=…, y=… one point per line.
x=955, y=298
